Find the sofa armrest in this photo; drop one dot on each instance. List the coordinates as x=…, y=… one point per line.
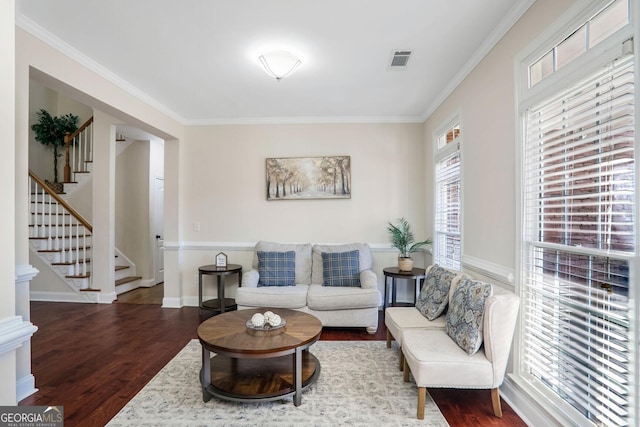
x=250, y=279
x=368, y=279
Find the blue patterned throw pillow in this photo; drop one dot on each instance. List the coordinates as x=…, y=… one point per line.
x=466, y=313
x=434, y=295
x=341, y=268
x=276, y=268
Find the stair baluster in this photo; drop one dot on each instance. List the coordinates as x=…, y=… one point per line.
x=76, y=267
x=63, y=254
x=49, y=243
x=56, y=245
x=41, y=231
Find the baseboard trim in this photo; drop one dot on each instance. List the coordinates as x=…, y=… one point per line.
x=47, y=296
x=172, y=302
x=25, y=387
x=525, y=405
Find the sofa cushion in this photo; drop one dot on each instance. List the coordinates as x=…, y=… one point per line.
x=341, y=268
x=303, y=257
x=464, y=320
x=322, y=298
x=436, y=361
x=273, y=296
x=399, y=319
x=434, y=296
x=364, y=258
x=276, y=268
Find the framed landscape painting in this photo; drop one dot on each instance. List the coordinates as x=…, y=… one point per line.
x=305, y=178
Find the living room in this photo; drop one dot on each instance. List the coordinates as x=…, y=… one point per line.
x=214, y=175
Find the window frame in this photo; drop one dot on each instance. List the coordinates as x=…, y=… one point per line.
x=526, y=97
x=441, y=153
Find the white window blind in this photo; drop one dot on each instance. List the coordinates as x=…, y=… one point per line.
x=448, y=196
x=579, y=228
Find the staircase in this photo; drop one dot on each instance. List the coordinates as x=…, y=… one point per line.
x=60, y=236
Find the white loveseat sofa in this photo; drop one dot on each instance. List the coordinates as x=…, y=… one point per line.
x=343, y=306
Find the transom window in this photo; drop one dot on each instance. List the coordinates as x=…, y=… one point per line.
x=610, y=19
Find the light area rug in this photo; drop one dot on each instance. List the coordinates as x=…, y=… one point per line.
x=359, y=385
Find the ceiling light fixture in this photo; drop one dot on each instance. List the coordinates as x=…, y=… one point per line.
x=279, y=64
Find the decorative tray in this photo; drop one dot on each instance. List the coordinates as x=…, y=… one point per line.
x=266, y=327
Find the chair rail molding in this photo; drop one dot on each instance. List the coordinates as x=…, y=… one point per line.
x=249, y=246
x=489, y=269
x=25, y=273
x=14, y=331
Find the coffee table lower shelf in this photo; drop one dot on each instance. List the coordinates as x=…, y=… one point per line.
x=258, y=380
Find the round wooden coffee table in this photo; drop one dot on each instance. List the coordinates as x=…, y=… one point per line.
x=254, y=365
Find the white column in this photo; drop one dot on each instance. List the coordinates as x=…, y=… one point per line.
x=172, y=232
x=103, y=238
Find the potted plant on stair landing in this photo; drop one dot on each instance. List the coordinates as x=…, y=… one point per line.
x=402, y=239
x=50, y=131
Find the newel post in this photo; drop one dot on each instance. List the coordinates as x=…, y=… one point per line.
x=67, y=166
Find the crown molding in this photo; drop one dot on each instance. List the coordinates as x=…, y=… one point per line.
x=305, y=120
x=56, y=43
x=490, y=42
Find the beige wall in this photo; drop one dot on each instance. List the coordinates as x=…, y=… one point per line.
x=486, y=100
x=223, y=187
x=132, y=206
x=224, y=182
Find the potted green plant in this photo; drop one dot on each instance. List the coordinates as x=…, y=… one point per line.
x=402, y=239
x=50, y=131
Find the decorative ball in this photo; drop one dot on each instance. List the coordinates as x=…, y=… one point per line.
x=275, y=320
x=267, y=315
x=257, y=320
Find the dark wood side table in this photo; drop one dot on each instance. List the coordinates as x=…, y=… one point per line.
x=220, y=304
x=394, y=273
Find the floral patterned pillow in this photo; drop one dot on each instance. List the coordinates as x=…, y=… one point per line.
x=434, y=295
x=466, y=313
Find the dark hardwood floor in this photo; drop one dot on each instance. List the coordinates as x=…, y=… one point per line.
x=93, y=358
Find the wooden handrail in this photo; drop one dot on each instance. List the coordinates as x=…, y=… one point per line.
x=80, y=129
x=67, y=142
x=60, y=200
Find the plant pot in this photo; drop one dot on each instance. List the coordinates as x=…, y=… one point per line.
x=405, y=264
x=57, y=187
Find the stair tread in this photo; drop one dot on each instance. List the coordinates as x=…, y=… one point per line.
x=127, y=280
x=88, y=260
x=121, y=267
x=68, y=250
x=79, y=276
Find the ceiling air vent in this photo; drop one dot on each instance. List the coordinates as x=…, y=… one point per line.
x=400, y=58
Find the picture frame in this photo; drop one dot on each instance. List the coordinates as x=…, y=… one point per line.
x=221, y=260
x=306, y=178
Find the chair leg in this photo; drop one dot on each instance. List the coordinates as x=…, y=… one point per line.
x=405, y=375
x=422, y=398
x=495, y=399
x=401, y=362
x=388, y=339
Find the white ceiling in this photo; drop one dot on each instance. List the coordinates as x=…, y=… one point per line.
x=197, y=59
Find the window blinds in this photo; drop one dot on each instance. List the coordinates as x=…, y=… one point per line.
x=448, y=212
x=579, y=186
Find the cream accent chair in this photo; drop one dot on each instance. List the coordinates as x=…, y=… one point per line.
x=435, y=360
x=399, y=319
